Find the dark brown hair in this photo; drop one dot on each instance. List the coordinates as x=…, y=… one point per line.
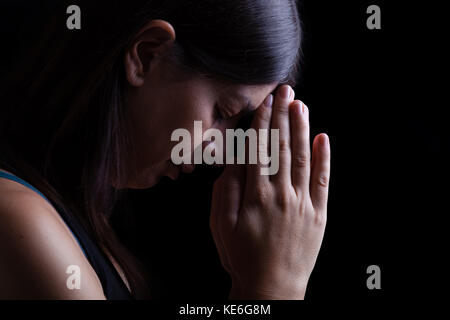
x=62, y=120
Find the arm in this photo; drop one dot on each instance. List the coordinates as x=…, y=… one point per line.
x=36, y=250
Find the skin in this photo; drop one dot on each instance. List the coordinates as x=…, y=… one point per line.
x=268, y=235
x=161, y=98
x=268, y=230
x=36, y=248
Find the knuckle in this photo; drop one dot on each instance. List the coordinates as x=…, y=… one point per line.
x=262, y=194
x=282, y=109
x=283, y=200
x=323, y=181
x=320, y=220
x=301, y=160
x=284, y=145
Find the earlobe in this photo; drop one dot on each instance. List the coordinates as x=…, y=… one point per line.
x=154, y=39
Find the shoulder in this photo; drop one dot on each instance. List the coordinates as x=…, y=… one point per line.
x=37, y=251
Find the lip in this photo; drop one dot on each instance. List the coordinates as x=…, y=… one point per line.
x=187, y=168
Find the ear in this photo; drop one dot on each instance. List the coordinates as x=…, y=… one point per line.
x=154, y=39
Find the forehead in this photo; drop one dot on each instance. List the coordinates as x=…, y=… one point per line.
x=254, y=94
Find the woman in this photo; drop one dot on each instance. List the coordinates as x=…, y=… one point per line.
x=92, y=112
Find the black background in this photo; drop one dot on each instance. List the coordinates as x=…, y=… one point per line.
x=365, y=89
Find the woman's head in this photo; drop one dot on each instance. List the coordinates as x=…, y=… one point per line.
x=161, y=97
x=203, y=61
x=95, y=107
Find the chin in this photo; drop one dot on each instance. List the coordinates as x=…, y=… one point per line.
x=153, y=175
x=140, y=185
x=150, y=182
x=144, y=180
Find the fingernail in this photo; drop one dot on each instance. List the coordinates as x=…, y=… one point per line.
x=298, y=107
x=285, y=92
x=326, y=140
x=268, y=101
x=304, y=111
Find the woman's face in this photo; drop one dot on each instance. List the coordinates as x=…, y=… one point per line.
x=166, y=101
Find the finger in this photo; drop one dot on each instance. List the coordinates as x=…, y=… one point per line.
x=227, y=208
x=300, y=148
x=261, y=123
x=215, y=207
x=320, y=174
x=233, y=186
x=280, y=121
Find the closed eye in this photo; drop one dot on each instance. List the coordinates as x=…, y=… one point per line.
x=223, y=114
x=246, y=112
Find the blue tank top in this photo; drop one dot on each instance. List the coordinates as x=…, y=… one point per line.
x=113, y=286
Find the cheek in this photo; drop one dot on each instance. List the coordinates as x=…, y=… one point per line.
x=191, y=110
x=171, y=109
x=192, y=113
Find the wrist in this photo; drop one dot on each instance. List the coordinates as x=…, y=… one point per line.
x=273, y=294
x=235, y=292
x=293, y=291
